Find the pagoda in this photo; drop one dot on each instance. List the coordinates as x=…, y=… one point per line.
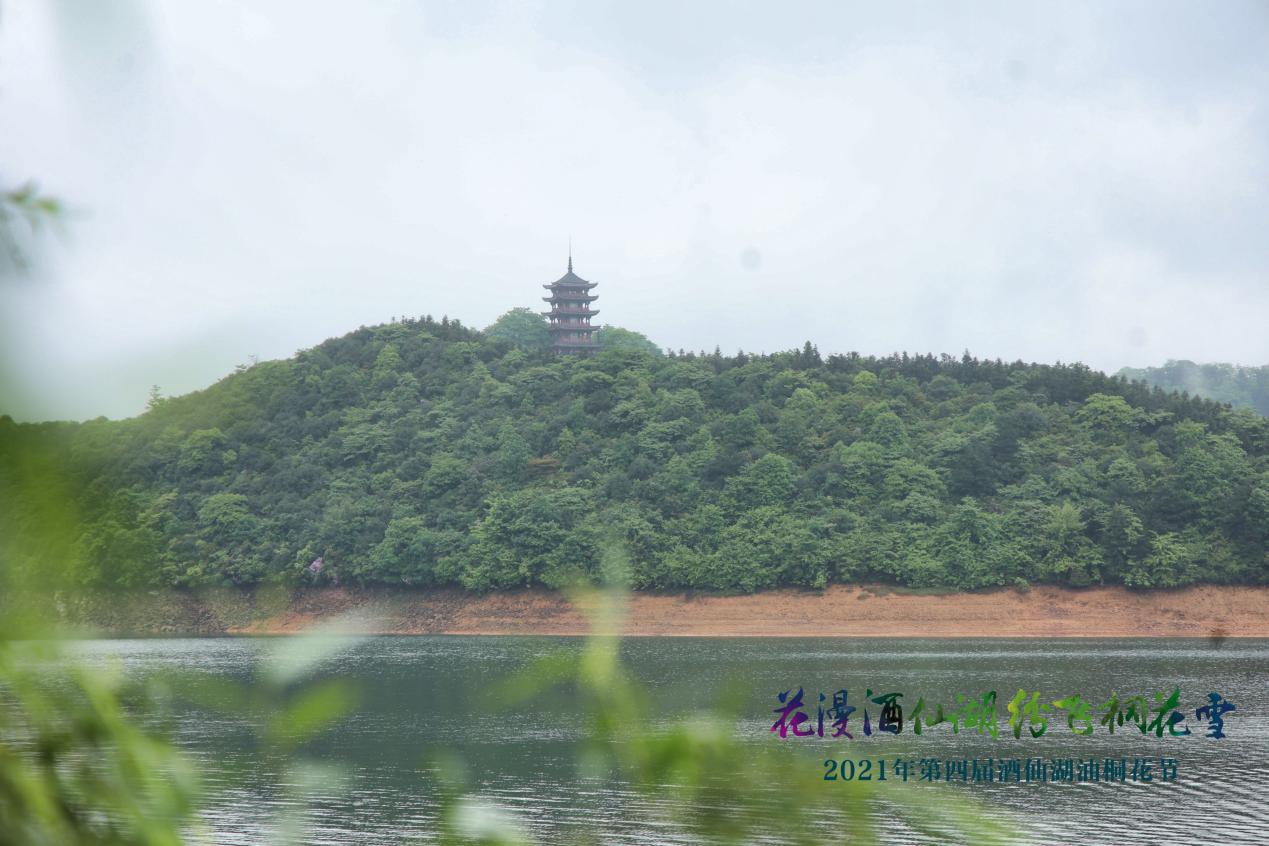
x=570, y=313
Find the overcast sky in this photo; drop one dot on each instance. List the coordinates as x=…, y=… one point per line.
x=1047, y=182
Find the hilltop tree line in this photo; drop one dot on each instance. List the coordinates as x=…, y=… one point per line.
x=1245, y=387
x=423, y=452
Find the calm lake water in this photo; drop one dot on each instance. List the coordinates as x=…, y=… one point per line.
x=422, y=693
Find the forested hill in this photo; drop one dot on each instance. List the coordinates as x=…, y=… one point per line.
x=1247, y=387
x=422, y=453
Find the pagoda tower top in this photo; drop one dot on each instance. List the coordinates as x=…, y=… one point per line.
x=570, y=312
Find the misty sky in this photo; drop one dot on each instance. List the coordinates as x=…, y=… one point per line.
x=1046, y=182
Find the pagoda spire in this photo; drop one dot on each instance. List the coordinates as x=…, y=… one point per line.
x=570, y=253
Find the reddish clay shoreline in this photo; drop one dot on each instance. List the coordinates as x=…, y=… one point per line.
x=839, y=611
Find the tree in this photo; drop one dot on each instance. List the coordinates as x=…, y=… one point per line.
x=768, y=481
x=408, y=553
x=521, y=327
x=204, y=453
x=1109, y=416
x=387, y=363
x=769, y=546
x=1167, y=564
x=226, y=518
x=616, y=338
x=529, y=537
x=1242, y=386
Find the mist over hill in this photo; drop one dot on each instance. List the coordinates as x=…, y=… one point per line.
x=1245, y=387
x=424, y=452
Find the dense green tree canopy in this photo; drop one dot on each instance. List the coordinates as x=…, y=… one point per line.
x=424, y=452
x=614, y=337
x=522, y=327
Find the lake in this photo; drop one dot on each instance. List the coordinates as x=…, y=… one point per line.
x=421, y=694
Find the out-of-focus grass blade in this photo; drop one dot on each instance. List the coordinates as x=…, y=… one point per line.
x=545, y=673
x=312, y=710
x=476, y=821
x=289, y=659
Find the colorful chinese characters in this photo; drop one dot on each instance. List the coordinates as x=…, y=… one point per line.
x=793, y=719
x=1026, y=710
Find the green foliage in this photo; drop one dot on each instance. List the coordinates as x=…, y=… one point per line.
x=74, y=768
x=425, y=453
x=410, y=553
x=1246, y=387
x=81, y=761
x=532, y=536
x=1167, y=565
x=616, y=338
x=24, y=213
x=522, y=328
x=768, y=481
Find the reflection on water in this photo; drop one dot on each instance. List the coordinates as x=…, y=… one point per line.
x=424, y=693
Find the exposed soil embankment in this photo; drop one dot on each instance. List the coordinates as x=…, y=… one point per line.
x=838, y=611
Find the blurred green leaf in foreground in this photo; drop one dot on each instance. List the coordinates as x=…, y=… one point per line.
x=75, y=767
x=24, y=213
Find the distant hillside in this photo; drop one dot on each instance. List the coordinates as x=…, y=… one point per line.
x=1245, y=387
x=425, y=452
